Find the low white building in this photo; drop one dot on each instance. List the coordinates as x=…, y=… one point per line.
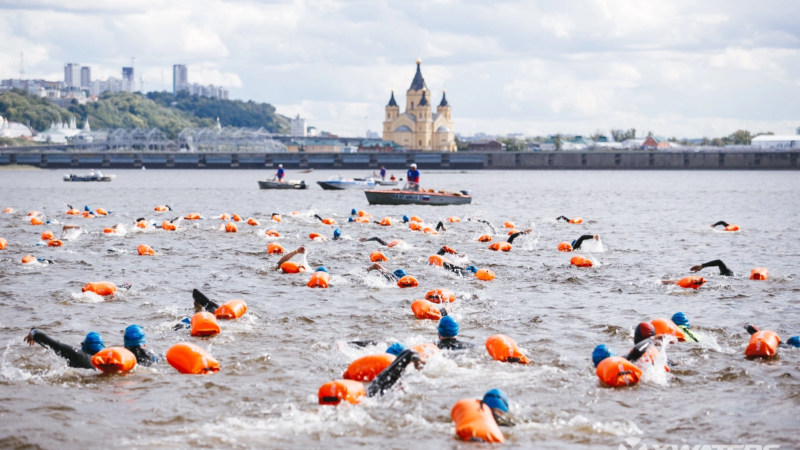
x=777, y=142
x=13, y=129
x=299, y=126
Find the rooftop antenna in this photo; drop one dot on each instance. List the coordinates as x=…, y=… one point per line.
x=21, y=65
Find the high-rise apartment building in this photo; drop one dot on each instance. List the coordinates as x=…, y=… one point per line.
x=72, y=75
x=299, y=126
x=86, y=77
x=180, y=77
x=128, y=79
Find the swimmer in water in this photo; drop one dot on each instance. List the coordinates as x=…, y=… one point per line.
x=390, y=276
x=376, y=239
x=69, y=228
x=337, y=235
x=79, y=359
x=448, y=335
x=497, y=400
x=518, y=234
x=485, y=222
x=723, y=269
x=290, y=255
x=645, y=332
x=602, y=352
x=793, y=341
x=576, y=244
x=389, y=376
x=135, y=341
x=683, y=324
x=721, y=222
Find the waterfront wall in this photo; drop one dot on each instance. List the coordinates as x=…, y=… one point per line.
x=593, y=160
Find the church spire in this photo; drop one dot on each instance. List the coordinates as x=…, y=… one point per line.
x=418, y=82
x=392, y=102
x=443, y=103
x=423, y=101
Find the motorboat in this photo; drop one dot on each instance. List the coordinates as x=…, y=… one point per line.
x=291, y=184
x=339, y=183
x=91, y=177
x=379, y=181
x=408, y=196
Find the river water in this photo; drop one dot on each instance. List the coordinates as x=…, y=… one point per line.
x=653, y=226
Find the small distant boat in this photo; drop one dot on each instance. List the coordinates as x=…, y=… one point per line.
x=307, y=171
x=291, y=184
x=339, y=183
x=379, y=181
x=91, y=177
x=421, y=197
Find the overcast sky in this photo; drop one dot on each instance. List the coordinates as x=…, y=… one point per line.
x=676, y=68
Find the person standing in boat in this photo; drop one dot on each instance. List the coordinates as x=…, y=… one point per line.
x=413, y=178
x=383, y=173
x=280, y=173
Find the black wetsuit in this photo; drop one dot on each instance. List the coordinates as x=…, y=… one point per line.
x=389, y=276
x=440, y=225
x=75, y=357
x=463, y=271
x=562, y=218
x=376, y=239
x=721, y=222
x=454, y=344
x=389, y=376
x=484, y=222
x=144, y=357
x=723, y=269
x=204, y=302
x=580, y=240
x=641, y=348
x=514, y=236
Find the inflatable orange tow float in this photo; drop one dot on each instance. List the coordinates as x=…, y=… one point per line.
x=503, y=348
x=333, y=392
x=474, y=421
x=114, y=360
x=232, y=309
x=191, y=359
x=103, y=288
x=441, y=296
x=368, y=367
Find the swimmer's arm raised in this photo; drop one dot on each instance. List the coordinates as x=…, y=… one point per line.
x=291, y=255
x=391, y=374
x=74, y=357
x=376, y=239
x=723, y=269
x=583, y=238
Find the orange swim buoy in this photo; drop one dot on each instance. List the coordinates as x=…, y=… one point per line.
x=377, y=256
x=292, y=267
x=55, y=243
x=500, y=246
x=485, y=238
x=28, y=259
x=394, y=243
x=273, y=233
x=295, y=213
x=47, y=235
x=426, y=350
x=363, y=214
x=192, y=216
x=253, y=222
x=230, y=227
x=361, y=220
x=437, y=260
x=616, y=371
x=34, y=214
x=333, y=392
x=8, y=210
x=666, y=327
x=580, y=261
x=36, y=221
x=232, y=309
x=429, y=230
x=732, y=228
x=141, y=224
x=101, y=212
x=328, y=221
x=416, y=219
x=109, y=231
x=204, y=324
x=237, y=218
x=277, y=218
x=368, y=367
x=691, y=282
x=576, y=220
x=145, y=250
x=564, y=247
x=103, y=288
x=407, y=282
x=512, y=231
x=453, y=219
x=474, y=421
x=423, y=309
x=313, y=236
x=762, y=344
x=441, y=296
x=484, y=275
x=87, y=215
x=3, y=244
x=160, y=208
x=386, y=222
x=74, y=212
x=190, y=359
x=415, y=226
x=225, y=216
x=114, y=360
x=168, y=226
x=319, y=280
x=509, y=225
x=449, y=250
x=273, y=248
x=503, y=348
x=759, y=273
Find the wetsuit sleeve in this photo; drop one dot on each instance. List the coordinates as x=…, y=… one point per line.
x=144, y=356
x=378, y=240
x=204, y=302
x=452, y=268
x=580, y=241
x=721, y=222
x=513, y=236
x=562, y=218
x=391, y=374
x=439, y=226
x=639, y=350
x=318, y=217
x=363, y=343
x=723, y=269
x=75, y=358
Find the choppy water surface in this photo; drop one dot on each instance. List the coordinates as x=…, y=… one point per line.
x=653, y=225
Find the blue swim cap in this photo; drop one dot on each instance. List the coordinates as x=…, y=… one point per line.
x=337, y=232
x=86, y=208
x=600, y=353
x=134, y=336
x=321, y=269
x=496, y=399
x=573, y=242
x=399, y=273
x=472, y=269
x=353, y=212
x=351, y=220
x=396, y=348
x=93, y=343
x=47, y=221
x=405, y=218
x=680, y=319
x=794, y=341
x=448, y=327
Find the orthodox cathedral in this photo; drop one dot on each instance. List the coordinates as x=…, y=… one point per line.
x=419, y=128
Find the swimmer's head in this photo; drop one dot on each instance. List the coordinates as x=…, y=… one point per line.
x=351, y=220
x=496, y=399
x=353, y=212
x=600, y=353
x=93, y=343
x=337, y=233
x=794, y=341
x=643, y=331
x=399, y=273
x=134, y=336
x=321, y=269
x=405, y=218
x=472, y=269
x=448, y=327
x=86, y=208
x=396, y=348
x=680, y=319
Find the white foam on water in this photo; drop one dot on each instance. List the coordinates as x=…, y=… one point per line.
x=87, y=297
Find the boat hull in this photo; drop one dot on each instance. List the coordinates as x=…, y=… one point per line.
x=397, y=197
x=276, y=185
x=336, y=185
x=86, y=179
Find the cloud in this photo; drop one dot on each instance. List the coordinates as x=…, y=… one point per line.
x=677, y=67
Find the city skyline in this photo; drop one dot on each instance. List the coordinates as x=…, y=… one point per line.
x=674, y=68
